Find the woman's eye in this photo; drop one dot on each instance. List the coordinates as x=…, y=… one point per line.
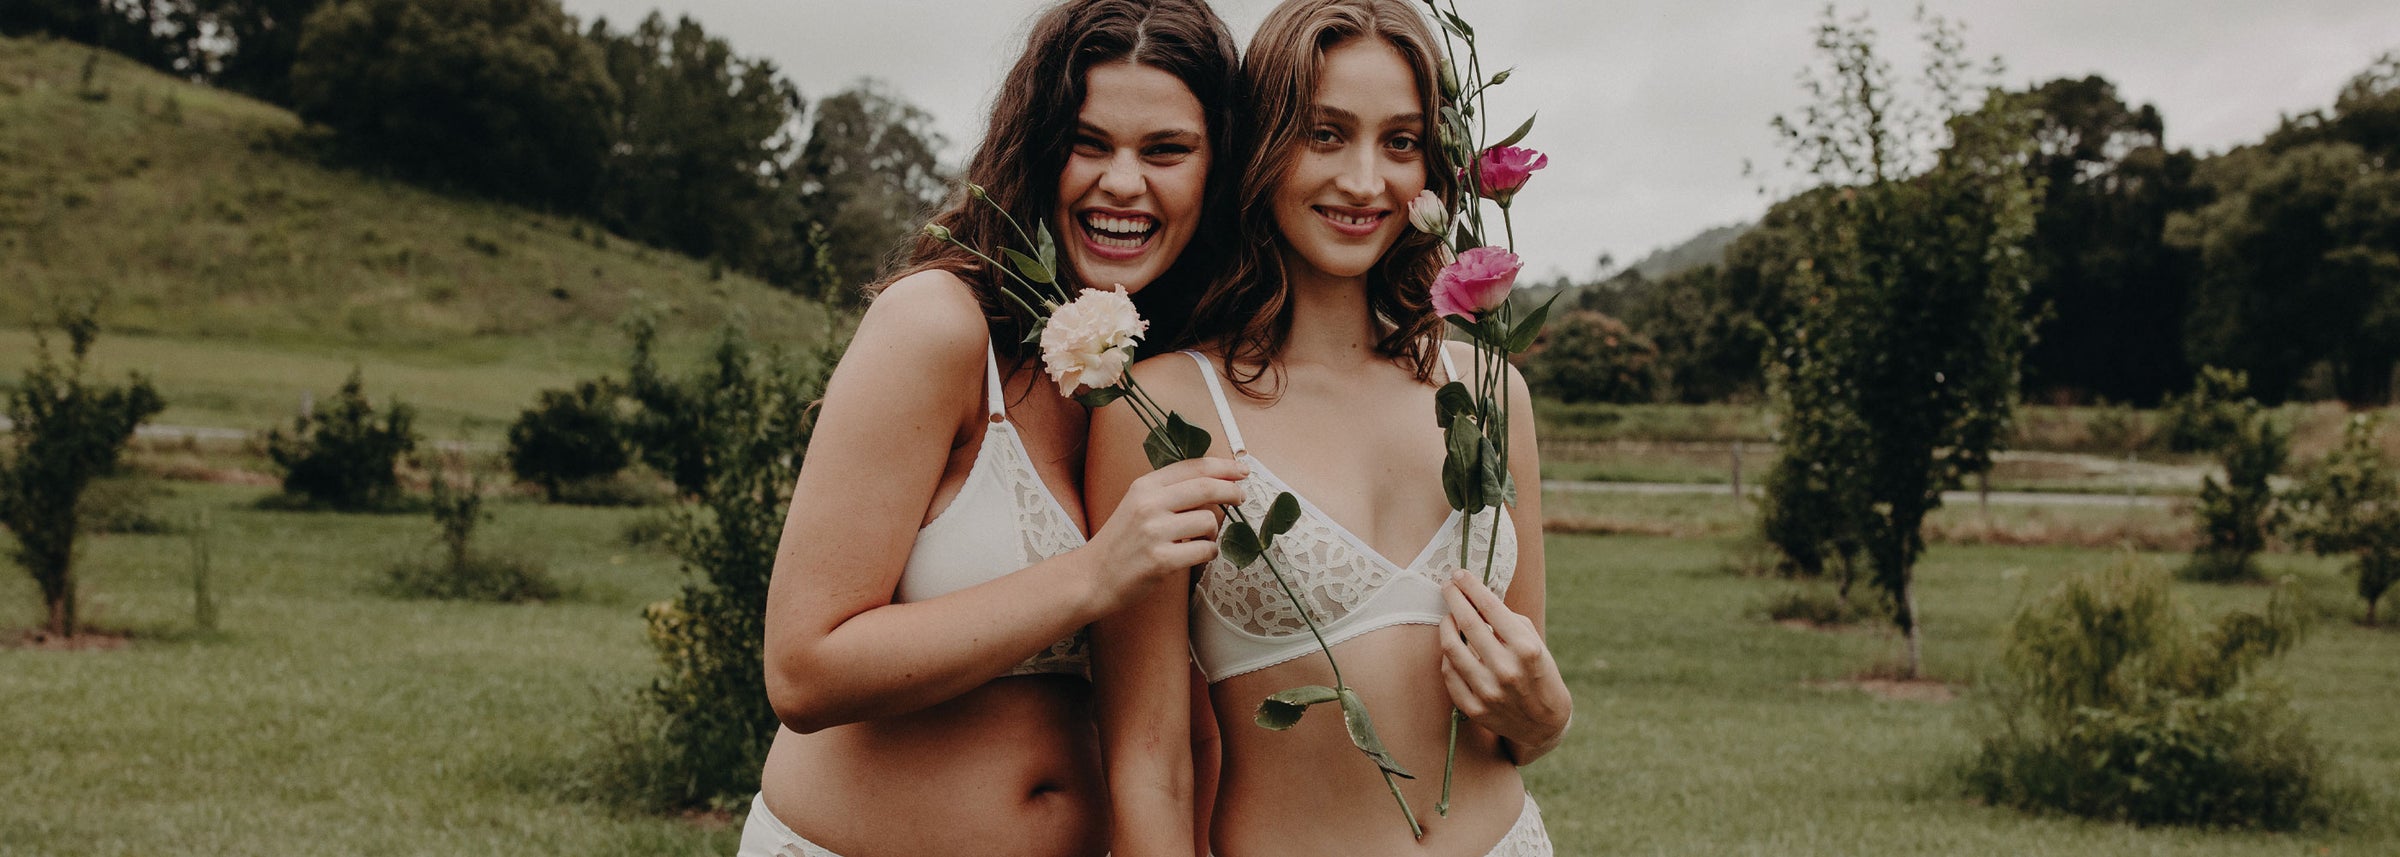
x=1090, y=146
x=1404, y=144
x=1167, y=152
x=1326, y=136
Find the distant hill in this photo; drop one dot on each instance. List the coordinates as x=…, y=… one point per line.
x=241, y=270
x=1706, y=248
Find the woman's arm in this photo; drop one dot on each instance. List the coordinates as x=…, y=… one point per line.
x=1497, y=665
x=838, y=650
x=1141, y=661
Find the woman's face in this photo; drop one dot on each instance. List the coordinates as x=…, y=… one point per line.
x=1129, y=198
x=1361, y=159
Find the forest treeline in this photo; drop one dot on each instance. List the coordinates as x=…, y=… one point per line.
x=2280, y=259
x=659, y=133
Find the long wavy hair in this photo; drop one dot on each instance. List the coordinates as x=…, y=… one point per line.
x=1032, y=130
x=1246, y=313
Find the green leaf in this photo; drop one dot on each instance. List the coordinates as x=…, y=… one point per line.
x=1035, y=334
x=1239, y=544
x=1458, y=25
x=1490, y=471
x=1362, y=734
x=1045, y=250
x=1282, y=711
x=1451, y=400
x=1461, y=483
x=1173, y=441
x=1027, y=266
x=1518, y=134
x=1465, y=240
x=1280, y=518
x=1101, y=397
x=1508, y=488
x=1531, y=328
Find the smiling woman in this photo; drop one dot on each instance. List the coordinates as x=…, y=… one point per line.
x=1135, y=177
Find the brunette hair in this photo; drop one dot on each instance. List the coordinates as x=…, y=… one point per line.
x=1246, y=313
x=1032, y=129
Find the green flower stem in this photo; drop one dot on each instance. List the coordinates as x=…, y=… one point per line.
x=1003, y=269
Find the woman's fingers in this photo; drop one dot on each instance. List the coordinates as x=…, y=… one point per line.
x=1461, y=660
x=1476, y=628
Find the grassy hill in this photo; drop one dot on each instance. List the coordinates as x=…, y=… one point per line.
x=240, y=269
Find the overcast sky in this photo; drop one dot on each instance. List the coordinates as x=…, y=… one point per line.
x=1649, y=108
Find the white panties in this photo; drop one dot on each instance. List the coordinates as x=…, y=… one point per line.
x=763, y=835
x=1526, y=838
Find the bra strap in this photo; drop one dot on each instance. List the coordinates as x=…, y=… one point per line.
x=991, y=384
x=1216, y=393
x=1448, y=368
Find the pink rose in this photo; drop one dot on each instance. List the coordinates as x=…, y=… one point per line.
x=1475, y=284
x=1502, y=170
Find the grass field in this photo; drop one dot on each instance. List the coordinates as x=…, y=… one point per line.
x=326, y=718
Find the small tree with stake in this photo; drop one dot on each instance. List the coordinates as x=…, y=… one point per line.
x=64, y=433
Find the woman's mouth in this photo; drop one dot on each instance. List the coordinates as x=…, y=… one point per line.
x=1355, y=222
x=1117, y=236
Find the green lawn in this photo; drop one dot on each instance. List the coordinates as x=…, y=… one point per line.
x=325, y=718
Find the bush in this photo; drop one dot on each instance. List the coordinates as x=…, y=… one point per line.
x=2116, y=705
x=1588, y=356
x=1817, y=606
x=569, y=436
x=460, y=572
x=339, y=457
x=707, y=716
x=122, y=506
x=2206, y=418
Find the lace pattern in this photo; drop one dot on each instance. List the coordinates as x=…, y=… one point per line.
x=1044, y=530
x=1526, y=838
x=1330, y=569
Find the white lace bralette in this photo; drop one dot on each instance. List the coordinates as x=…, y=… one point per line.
x=1241, y=618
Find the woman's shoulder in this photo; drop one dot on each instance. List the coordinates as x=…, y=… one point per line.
x=924, y=331
x=1173, y=374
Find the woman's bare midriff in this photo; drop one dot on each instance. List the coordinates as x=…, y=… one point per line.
x=1010, y=769
x=1344, y=806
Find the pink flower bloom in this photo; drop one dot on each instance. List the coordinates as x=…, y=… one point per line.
x=1475, y=284
x=1502, y=170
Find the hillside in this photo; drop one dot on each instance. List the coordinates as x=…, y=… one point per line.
x=240, y=270
x=1706, y=248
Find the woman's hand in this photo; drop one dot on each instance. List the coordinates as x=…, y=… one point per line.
x=1499, y=672
x=1165, y=524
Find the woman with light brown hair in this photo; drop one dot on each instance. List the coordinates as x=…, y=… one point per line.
x=924, y=643
x=1325, y=333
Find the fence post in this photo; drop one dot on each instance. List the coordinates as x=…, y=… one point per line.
x=1737, y=470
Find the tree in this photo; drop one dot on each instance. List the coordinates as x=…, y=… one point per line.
x=2108, y=292
x=1587, y=356
x=866, y=178
x=262, y=41
x=64, y=432
x=339, y=457
x=496, y=96
x=1909, y=331
x=2349, y=505
x=698, y=144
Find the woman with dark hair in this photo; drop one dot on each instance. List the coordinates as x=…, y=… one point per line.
x=1324, y=327
x=924, y=645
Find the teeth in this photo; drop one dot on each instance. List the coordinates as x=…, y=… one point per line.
x=1351, y=219
x=1119, y=225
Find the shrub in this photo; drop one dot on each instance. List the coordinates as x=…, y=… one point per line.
x=706, y=717
x=340, y=457
x=460, y=572
x=1588, y=356
x=1817, y=606
x=2349, y=505
x=64, y=432
x=2204, y=419
x=2237, y=516
x=569, y=436
x=2115, y=704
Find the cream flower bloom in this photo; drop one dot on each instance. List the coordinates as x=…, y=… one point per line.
x=1090, y=339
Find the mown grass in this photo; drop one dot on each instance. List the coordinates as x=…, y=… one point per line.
x=240, y=266
x=324, y=717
